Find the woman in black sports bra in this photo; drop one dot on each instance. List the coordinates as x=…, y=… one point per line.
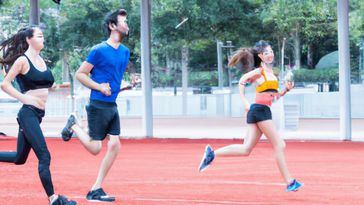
x=22, y=62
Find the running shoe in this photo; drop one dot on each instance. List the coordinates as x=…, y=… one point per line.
x=62, y=200
x=99, y=195
x=207, y=158
x=294, y=186
x=67, y=131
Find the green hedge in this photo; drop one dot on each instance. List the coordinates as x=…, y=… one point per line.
x=203, y=78
x=317, y=75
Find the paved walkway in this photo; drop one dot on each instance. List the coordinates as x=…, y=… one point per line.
x=197, y=128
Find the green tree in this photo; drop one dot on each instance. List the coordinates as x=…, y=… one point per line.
x=301, y=22
x=208, y=21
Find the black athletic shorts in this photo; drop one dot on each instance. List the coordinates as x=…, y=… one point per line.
x=103, y=119
x=258, y=113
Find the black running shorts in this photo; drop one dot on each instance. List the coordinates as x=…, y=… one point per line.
x=258, y=113
x=103, y=119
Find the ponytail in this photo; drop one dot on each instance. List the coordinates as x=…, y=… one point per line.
x=245, y=57
x=248, y=57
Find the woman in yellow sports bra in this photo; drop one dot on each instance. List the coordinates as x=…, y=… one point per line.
x=259, y=116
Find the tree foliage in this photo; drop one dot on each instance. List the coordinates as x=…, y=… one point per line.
x=76, y=25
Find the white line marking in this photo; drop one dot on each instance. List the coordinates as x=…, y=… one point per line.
x=207, y=182
x=189, y=201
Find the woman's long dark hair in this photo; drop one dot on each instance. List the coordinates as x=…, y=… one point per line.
x=15, y=46
x=248, y=57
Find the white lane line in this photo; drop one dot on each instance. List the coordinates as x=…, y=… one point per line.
x=207, y=182
x=189, y=201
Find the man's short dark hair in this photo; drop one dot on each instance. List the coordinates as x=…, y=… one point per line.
x=112, y=18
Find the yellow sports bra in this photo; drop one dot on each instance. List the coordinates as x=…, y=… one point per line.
x=267, y=84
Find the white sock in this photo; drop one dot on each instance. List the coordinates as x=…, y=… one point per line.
x=53, y=198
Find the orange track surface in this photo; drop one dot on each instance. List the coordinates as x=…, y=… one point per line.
x=164, y=172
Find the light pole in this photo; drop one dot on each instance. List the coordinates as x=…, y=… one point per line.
x=219, y=47
x=230, y=53
x=220, y=100
x=344, y=69
x=147, y=116
x=184, y=68
x=361, y=60
x=282, y=57
x=34, y=13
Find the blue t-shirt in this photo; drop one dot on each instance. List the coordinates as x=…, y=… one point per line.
x=109, y=67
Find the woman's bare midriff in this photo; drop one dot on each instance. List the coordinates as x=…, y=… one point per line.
x=41, y=93
x=266, y=98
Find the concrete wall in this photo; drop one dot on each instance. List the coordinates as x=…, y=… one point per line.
x=310, y=104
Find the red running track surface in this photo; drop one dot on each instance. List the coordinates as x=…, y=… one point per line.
x=164, y=172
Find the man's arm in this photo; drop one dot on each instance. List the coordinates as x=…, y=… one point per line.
x=82, y=75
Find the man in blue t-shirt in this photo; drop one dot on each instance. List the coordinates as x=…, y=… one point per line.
x=106, y=63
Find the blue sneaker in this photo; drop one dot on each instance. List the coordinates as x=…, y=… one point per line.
x=294, y=186
x=99, y=195
x=208, y=157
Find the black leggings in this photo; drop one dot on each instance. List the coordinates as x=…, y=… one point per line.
x=31, y=136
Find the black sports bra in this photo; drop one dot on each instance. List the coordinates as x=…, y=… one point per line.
x=34, y=79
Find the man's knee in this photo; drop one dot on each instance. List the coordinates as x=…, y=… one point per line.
x=96, y=147
x=114, y=144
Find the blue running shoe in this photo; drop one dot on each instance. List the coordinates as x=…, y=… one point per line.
x=99, y=195
x=294, y=186
x=208, y=157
